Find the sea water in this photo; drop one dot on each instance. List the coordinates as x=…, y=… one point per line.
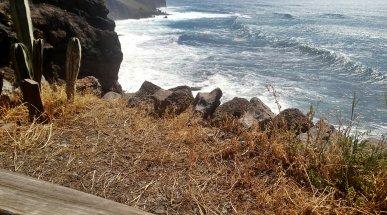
x=301, y=53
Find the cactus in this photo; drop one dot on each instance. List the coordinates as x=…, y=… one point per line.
x=73, y=62
x=21, y=62
x=21, y=17
x=37, y=60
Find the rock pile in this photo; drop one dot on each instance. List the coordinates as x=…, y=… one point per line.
x=206, y=105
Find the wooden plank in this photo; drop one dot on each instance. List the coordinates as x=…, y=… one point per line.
x=21, y=194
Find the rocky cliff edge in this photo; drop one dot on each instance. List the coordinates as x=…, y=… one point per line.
x=56, y=21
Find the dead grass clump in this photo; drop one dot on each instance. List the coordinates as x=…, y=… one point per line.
x=175, y=165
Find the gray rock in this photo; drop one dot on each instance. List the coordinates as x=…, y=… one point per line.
x=89, y=84
x=257, y=114
x=143, y=95
x=235, y=108
x=292, y=119
x=172, y=101
x=321, y=132
x=112, y=96
x=206, y=103
x=10, y=96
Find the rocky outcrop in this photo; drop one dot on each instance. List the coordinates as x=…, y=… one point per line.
x=143, y=95
x=88, y=84
x=111, y=96
x=234, y=108
x=206, y=103
x=257, y=113
x=172, y=101
x=134, y=9
x=56, y=22
x=292, y=119
x=322, y=132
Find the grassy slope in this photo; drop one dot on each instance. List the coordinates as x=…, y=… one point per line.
x=171, y=166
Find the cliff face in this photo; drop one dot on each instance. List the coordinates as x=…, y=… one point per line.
x=56, y=21
x=134, y=9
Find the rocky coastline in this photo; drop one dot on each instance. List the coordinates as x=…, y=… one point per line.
x=134, y=9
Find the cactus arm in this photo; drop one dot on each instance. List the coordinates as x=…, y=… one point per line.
x=21, y=62
x=37, y=60
x=21, y=17
x=73, y=63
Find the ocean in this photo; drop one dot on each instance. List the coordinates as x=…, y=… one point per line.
x=301, y=53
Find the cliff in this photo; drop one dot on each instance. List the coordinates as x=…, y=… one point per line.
x=134, y=9
x=56, y=21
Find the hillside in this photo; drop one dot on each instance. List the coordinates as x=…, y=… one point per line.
x=182, y=165
x=134, y=9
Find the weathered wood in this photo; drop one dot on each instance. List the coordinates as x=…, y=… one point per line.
x=21, y=194
x=31, y=95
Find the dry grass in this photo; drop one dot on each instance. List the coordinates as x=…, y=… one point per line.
x=171, y=166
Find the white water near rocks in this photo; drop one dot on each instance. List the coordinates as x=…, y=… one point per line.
x=311, y=52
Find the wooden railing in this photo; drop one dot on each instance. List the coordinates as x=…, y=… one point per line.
x=21, y=194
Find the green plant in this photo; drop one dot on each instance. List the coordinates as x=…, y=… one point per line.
x=37, y=60
x=73, y=63
x=21, y=17
x=21, y=62
x=350, y=163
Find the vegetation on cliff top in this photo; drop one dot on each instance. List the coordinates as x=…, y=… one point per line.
x=169, y=166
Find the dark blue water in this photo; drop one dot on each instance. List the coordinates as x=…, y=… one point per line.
x=311, y=52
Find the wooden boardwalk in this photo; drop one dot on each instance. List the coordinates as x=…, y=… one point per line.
x=21, y=194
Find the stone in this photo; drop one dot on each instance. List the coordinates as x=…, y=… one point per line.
x=111, y=96
x=10, y=96
x=292, y=119
x=143, y=95
x=323, y=131
x=173, y=101
x=234, y=108
x=257, y=113
x=88, y=84
x=206, y=103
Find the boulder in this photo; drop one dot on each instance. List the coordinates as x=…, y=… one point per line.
x=206, y=103
x=323, y=131
x=111, y=96
x=172, y=101
x=143, y=95
x=257, y=114
x=292, y=119
x=56, y=22
x=89, y=84
x=235, y=108
x=10, y=96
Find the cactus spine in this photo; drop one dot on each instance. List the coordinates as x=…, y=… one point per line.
x=21, y=17
x=73, y=63
x=21, y=61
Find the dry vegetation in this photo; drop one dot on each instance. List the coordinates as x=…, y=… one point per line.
x=175, y=166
